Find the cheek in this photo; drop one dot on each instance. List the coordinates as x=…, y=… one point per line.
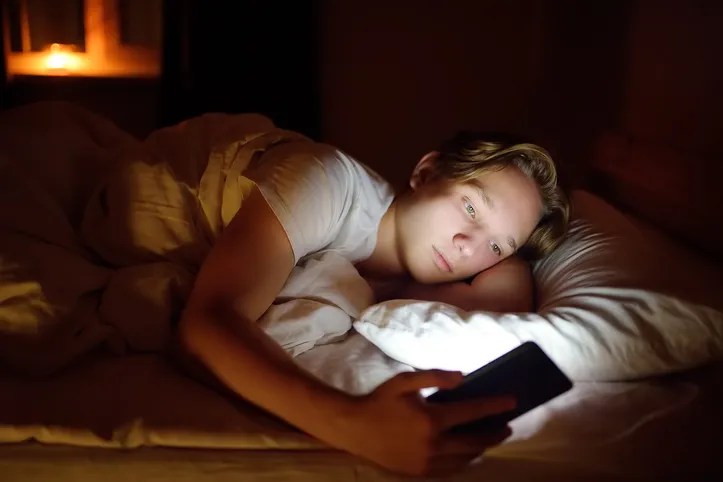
x=436, y=218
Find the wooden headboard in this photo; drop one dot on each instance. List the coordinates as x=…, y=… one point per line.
x=680, y=193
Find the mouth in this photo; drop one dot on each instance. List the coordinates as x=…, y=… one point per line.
x=441, y=261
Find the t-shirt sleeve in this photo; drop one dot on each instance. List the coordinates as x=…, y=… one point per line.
x=310, y=188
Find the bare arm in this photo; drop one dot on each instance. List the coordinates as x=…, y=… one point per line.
x=391, y=426
x=507, y=287
x=239, y=280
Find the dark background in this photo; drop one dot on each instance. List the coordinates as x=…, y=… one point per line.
x=387, y=80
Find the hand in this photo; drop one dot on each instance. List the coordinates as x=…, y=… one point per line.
x=396, y=428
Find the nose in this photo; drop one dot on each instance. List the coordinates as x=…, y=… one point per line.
x=464, y=244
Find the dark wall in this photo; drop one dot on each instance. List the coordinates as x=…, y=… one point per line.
x=673, y=86
x=131, y=103
x=398, y=77
x=242, y=56
x=581, y=88
x=3, y=71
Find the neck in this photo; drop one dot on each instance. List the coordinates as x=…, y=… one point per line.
x=385, y=261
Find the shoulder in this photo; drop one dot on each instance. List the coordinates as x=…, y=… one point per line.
x=315, y=164
x=323, y=197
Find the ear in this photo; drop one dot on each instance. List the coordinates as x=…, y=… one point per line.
x=424, y=171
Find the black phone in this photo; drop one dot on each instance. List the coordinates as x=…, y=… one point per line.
x=526, y=372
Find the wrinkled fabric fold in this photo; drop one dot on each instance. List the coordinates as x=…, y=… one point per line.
x=92, y=219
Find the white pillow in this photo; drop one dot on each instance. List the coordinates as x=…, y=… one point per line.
x=608, y=310
x=642, y=257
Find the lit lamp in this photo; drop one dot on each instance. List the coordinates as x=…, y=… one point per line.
x=61, y=59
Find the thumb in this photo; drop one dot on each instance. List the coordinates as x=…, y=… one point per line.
x=412, y=382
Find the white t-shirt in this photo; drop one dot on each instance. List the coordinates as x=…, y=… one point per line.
x=324, y=199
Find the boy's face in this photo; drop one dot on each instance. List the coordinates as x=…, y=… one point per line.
x=451, y=230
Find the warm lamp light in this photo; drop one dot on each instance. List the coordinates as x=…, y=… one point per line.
x=60, y=58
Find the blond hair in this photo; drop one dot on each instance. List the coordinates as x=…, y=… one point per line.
x=470, y=154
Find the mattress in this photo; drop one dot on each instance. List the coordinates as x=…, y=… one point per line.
x=33, y=463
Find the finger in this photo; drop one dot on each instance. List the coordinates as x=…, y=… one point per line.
x=449, y=414
x=471, y=444
x=412, y=382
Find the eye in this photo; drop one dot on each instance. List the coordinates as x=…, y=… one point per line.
x=469, y=208
x=495, y=248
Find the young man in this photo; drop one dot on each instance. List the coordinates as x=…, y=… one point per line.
x=471, y=206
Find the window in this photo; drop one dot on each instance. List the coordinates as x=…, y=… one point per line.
x=97, y=38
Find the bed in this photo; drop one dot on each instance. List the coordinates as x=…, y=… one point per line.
x=118, y=409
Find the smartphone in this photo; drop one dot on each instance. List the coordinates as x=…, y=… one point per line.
x=526, y=372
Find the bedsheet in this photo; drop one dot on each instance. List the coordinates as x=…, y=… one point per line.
x=31, y=463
